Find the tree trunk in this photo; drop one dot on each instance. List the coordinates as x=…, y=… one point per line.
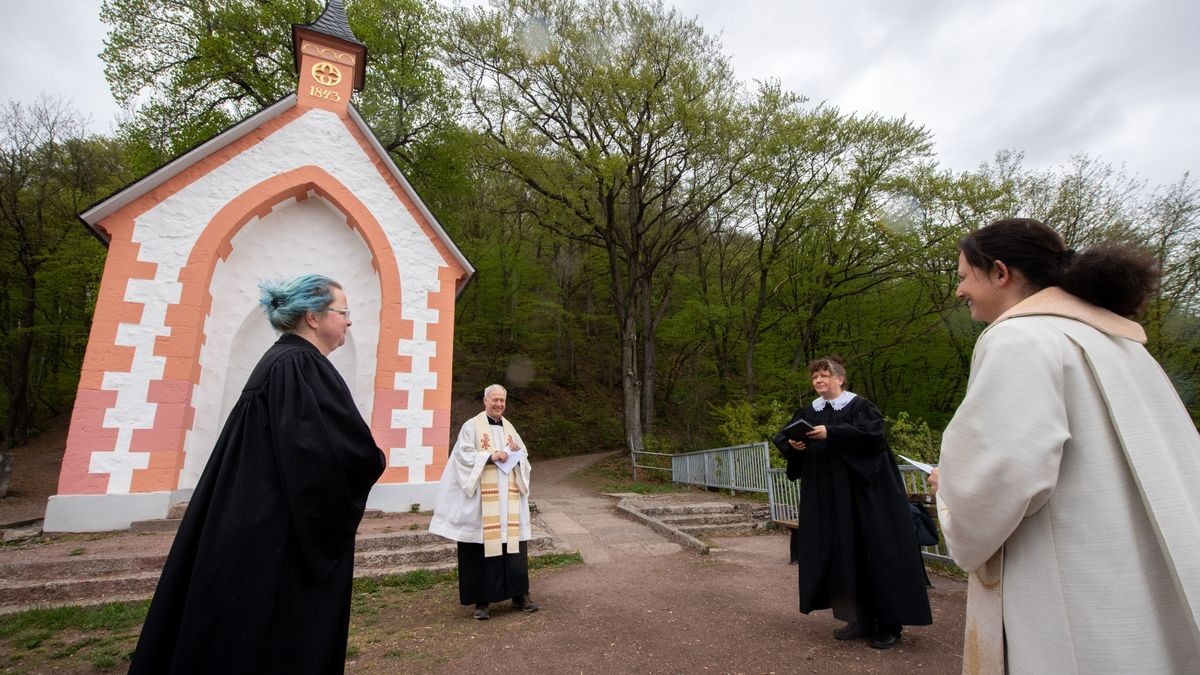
x=752, y=332
x=631, y=385
x=645, y=303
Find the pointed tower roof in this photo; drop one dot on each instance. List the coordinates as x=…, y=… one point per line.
x=333, y=22
x=333, y=26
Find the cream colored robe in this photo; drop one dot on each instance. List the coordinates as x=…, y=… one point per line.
x=1068, y=487
x=458, y=508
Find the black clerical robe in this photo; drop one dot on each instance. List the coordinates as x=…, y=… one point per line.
x=259, y=576
x=857, y=550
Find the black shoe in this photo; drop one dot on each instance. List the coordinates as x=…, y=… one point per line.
x=884, y=640
x=481, y=611
x=525, y=604
x=851, y=631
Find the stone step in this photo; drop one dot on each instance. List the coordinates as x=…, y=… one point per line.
x=82, y=566
x=745, y=527
x=156, y=525
x=660, y=510
x=17, y=595
x=175, y=516
x=96, y=579
x=402, y=538
x=736, y=518
x=416, y=556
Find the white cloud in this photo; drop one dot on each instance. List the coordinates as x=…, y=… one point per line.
x=1113, y=79
x=58, y=43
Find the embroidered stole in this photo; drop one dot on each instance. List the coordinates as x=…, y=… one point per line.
x=489, y=489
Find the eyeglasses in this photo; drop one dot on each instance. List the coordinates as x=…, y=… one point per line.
x=343, y=312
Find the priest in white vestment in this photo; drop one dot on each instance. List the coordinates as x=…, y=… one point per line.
x=483, y=504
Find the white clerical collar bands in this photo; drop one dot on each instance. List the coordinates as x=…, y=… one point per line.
x=838, y=403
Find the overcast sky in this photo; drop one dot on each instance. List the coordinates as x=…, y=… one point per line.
x=1114, y=79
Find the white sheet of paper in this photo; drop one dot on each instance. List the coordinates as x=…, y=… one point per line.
x=927, y=468
x=514, y=456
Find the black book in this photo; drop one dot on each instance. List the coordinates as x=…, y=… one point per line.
x=797, y=430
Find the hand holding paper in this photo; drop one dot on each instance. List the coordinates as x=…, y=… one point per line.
x=514, y=457
x=927, y=468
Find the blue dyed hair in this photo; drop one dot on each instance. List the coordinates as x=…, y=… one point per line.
x=285, y=302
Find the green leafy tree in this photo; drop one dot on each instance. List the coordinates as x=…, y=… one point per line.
x=191, y=68
x=50, y=170
x=621, y=118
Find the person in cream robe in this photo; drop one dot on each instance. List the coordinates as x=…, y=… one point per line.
x=483, y=504
x=1068, y=477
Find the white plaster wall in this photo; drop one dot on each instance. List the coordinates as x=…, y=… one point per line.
x=168, y=231
x=307, y=237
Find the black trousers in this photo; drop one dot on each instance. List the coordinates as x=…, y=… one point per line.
x=492, y=579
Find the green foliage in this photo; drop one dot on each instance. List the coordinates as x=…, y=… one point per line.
x=745, y=422
x=660, y=248
x=913, y=438
x=50, y=170
x=193, y=68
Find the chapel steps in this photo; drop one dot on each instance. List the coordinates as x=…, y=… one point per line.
x=175, y=516
x=112, y=567
x=689, y=522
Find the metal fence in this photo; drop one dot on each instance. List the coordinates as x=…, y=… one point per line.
x=785, y=504
x=747, y=468
x=742, y=468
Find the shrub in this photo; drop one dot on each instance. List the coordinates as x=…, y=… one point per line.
x=913, y=438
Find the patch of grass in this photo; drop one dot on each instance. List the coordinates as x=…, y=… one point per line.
x=411, y=582
x=352, y=651
x=111, y=617
x=946, y=569
x=106, y=658
x=72, y=648
x=32, y=639
x=615, y=474
x=420, y=580
x=77, y=551
x=71, y=639
x=555, y=560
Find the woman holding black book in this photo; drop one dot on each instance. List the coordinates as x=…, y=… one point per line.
x=857, y=550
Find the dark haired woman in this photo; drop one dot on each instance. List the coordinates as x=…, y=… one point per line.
x=258, y=578
x=857, y=549
x=1069, y=474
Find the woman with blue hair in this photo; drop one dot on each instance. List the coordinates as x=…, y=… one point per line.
x=259, y=576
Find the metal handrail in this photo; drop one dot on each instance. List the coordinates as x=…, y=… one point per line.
x=784, y=496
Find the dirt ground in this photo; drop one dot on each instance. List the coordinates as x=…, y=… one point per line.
x=733, y=611
x=34, y=474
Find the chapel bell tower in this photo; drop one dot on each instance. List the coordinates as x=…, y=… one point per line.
x=330, y=61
